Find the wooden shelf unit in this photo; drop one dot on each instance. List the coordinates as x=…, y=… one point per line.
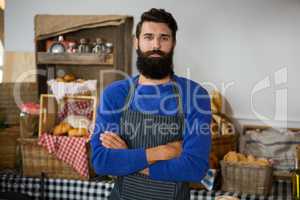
x=87, y=65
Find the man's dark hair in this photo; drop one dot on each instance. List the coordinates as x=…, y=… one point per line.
x=159, y=16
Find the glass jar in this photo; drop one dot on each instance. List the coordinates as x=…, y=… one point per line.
x=108, y=48
x=84, y=47
x=71, y=47
x=29, y=120
x=99, y=46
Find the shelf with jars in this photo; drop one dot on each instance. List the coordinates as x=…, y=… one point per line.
x=85, y=46
x=70, y=52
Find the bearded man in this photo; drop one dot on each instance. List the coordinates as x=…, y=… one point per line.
x=153, y=130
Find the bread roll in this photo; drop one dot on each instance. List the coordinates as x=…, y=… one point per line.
x=77, y=121
x=69, y=77
x=231, y=157
x=262, y=162
x=61, y=129
x=80, y=80
x=78, y=132
x=241, y=159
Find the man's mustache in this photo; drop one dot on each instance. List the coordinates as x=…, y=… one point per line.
x=149, y=53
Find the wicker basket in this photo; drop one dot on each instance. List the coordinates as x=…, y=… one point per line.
x=8, y=147
x=221, y=145
x=280, y=175
x=35, y=160
x=246, y=178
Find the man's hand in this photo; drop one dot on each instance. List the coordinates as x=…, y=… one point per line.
x=145, y=171
x=112, y=141
x=164, y=152
x=173, y=150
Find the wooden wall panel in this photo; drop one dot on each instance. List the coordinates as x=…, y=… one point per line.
x=19, y=67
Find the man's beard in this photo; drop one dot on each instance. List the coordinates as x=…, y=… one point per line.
x=155, y=67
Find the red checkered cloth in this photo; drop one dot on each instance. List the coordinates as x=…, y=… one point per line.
x=77, y=107
x=70, y=150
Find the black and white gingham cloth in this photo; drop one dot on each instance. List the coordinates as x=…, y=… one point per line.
x=56, y=188
x=88, y=190
x=281, y=190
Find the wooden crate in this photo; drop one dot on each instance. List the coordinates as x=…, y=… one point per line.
x=35, y=160
x=8, y=147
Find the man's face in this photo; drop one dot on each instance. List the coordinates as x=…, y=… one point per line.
x=155, y=36
x=155, y=50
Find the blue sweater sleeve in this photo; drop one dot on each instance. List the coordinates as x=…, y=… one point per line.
x=193, y=162
x=116, y=162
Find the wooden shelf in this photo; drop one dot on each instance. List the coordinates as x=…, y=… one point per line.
x=73, y=58
x=88, y=66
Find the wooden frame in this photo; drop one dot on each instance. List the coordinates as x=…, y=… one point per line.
x=48, y=110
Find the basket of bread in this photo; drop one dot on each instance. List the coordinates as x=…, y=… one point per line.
x=73, y=116
x=70, y=85
x=64, y=130
x=246, y=174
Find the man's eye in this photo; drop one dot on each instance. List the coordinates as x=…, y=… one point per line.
x=165, y=38
x=148, y=37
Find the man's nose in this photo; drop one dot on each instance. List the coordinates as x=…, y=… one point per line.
x=156, y=44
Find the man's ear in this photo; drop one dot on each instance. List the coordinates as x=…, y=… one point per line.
x=135, y=42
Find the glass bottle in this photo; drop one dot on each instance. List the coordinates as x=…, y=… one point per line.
x=99, y=46
x=295, y=176
x=84, y=47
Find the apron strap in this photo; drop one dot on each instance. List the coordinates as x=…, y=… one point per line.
x=178, y=97
x=132, y=88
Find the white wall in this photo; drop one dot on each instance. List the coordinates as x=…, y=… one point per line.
x=239, y=41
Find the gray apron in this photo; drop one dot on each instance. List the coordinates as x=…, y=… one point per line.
x=144, y=130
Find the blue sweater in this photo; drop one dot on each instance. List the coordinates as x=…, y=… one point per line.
x=193, y=162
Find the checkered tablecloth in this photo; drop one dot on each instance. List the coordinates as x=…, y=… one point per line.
x=281, y=190
x=82, y=190
x=76, y=107
x=71, y=150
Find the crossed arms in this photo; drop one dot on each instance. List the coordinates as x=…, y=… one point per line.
x=162, y=152
x=185, y=160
